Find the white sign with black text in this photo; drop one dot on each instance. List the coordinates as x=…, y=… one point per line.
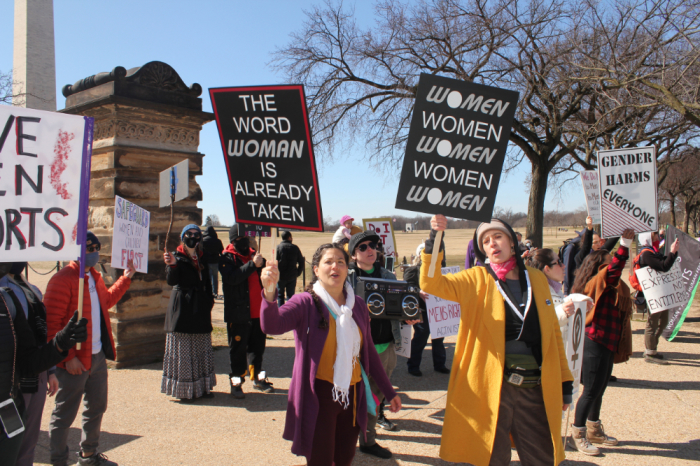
x=662, y=290
x=591, y=189
x=443, y=315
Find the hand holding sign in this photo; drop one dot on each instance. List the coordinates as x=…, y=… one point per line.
x=130, y=270
x=674, y=247
x=439, y=224
x=270, y=276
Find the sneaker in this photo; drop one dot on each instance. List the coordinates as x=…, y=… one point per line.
x=97, y=459
x=655, y=359
x=376, y=450
x=581, y=443
x=385, y=423
x=416, y=373
x=443, y=370
x=237, y=391
x=264, y=386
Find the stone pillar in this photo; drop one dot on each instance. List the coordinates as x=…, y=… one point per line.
x=146, y=120
x=34, y=59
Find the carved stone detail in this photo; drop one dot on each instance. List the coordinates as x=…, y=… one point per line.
x=162, y=134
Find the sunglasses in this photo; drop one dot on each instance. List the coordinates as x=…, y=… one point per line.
x=92, y=248
x=192, y=235
x=558, y=262
x=363, y=247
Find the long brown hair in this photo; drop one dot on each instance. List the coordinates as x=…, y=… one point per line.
x=315, y=262
x=588, y=269
x=541, y=258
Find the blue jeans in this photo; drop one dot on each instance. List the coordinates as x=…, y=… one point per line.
x=421, y=332
x=287, y=286
x=214, y=274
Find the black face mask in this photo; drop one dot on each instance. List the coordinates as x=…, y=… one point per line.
x=242, y=245
x=18, y=267
x=191, y=242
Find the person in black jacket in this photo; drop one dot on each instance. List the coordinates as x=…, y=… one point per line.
x=213, y=247
x=188, y=364
x=240, y=267
x=22, y=356
x=651, y=257
x=591, y=241
x=290, y=263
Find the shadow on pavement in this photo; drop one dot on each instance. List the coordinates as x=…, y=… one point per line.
x=108, y=441
x=686, y=451
x=658, y=385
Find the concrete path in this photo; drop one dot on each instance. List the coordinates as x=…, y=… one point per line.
x=654, y=411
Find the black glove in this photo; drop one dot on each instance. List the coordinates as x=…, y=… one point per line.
x=430, y=242
x=74, y=332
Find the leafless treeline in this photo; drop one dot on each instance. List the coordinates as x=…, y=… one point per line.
x=591, y=75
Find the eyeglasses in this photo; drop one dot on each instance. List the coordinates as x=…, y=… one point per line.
x=92, y=248
x=363, y=247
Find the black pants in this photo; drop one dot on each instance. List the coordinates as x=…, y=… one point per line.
x=595, y=373
x=246, y=344
x=418, y=343
x=285, y=286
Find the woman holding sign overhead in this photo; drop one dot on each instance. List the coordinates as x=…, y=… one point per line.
x=509, y=374
x=188, y=364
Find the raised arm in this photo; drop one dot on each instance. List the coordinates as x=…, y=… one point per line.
x=619, y=258
x=273, y=319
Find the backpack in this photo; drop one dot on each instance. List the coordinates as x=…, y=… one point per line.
x=634, y=281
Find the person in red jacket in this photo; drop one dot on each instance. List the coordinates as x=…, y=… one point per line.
x=84, y=371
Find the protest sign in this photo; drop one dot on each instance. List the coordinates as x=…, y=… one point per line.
x=591, y=190
x=44, y=184
x=456, y=146
x=173, y=181
x=254, y=230
x=385, y=229
x=443, y=315
x=628, y=191
x=130, y=236
x=266, y=141
x=689, y=262
x=662, y=290
x=575, y=340
x=405, y=348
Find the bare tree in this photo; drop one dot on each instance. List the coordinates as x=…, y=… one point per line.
x=6, y=88
x=682, y=186
x=212, y=221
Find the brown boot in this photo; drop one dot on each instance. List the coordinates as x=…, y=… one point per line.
x=581, y=442
x=596, y=434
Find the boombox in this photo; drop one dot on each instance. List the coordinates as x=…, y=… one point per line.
x=389, y=299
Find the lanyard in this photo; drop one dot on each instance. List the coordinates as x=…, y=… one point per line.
x=512, y=304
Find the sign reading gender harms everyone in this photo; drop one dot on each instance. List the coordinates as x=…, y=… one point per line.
x=443, y=315
x=385, y=229
x=43, y=157
x=591, y=189
x=628, y=191
x=456, y=148
x=130, y=237
x=574, y=342
x=266, y=140
x=662, y=290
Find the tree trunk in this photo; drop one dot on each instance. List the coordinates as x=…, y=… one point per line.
x=673, y=210
x=686, y=223
x=535, y=205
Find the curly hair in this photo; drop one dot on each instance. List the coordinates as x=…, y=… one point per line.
x=315, y=262
x=541, y=258
x=588, y=269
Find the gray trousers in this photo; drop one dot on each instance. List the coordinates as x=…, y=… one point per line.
x=521, y=414
x=33, y=409
x=656, y=323
x=71, y=388
x=388, y=358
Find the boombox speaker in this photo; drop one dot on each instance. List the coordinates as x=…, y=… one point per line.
x=389, y=299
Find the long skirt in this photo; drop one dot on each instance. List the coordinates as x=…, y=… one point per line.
x=188, y=365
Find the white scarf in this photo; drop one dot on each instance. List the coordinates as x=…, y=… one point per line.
x=347, y=337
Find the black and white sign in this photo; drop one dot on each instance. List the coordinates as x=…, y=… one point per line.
x=456, y=147
x=266, y=140
x=628, y=191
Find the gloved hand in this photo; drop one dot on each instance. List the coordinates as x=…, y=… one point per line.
x=74, y=332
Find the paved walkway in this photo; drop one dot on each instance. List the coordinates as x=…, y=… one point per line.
x=654, y=410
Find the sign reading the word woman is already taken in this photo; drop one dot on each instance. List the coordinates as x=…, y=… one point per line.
x=456, y=147
x=266, y=140
x=628, y=191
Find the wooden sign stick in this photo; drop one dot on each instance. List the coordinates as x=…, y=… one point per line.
x=271, y=288
x=434, y=255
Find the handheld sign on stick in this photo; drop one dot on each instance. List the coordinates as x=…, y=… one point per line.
x=455, y=150
x=174, y=186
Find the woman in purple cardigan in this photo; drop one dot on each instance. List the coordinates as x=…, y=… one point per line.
x=327, y=406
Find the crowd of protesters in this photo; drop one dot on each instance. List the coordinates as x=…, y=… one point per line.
x=509, y=371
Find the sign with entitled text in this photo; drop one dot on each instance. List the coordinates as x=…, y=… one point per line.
x=44, y=174
x=628, y=191
x=266, y=140
x=591, y=189
x=662, y=290
x=456, y=147
x=385, y=229
x=689, y=262
x=130, y=237
x=443, y=315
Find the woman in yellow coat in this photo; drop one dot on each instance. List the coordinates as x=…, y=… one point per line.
x=509, y=376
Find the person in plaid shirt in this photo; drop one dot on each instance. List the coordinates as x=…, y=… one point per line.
x=599, y=278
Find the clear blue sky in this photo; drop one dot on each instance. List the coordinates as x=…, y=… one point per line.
x=224, y=43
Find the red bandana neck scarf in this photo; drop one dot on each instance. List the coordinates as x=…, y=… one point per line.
x=501, y=270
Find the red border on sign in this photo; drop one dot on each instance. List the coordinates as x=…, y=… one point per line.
x=300, y=88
